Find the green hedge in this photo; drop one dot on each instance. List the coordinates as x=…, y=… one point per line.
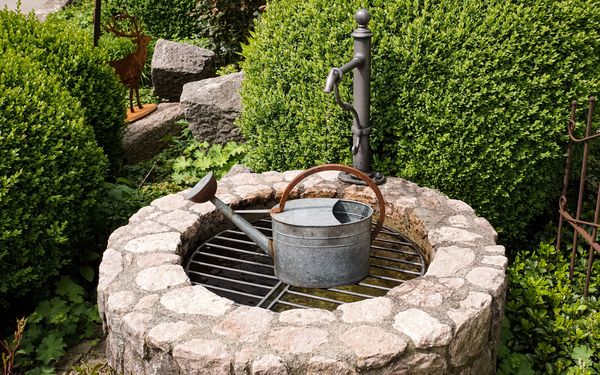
x=68, y=53
x=220, y=25
x=51, y=171
x=470, y=97
x=549, y=326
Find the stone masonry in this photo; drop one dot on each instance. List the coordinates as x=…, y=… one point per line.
x=446, y=322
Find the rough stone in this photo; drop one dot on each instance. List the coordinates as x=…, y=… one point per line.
x=268, y=365
x=496, y=260
x=420, y=364
x=120, y=302
x=290, y=175
x=327, y=366
x=110, y=268
x=144, y=213
x=147, y=227
x=329, y=175
x=204, y=208
x=165, y=334
x=195, y=300
x=135, y=326
x=452, y=282
x=373, y=310
x=446, y=235
x=459, y=206
x=244, y=179
x=175, y=64
x=201, y=357
x=161, y=277
x=373, y=346
x=245, y=324
x=425, y=330
x=306, y=316
x=254, y=193
x=484, y=364
x=490, y=279
x=495, y=250
x=156, y=259
x=147, y=302
x=472, y=322
x=296, y=340
x=422, y=293
x=168, y=242
x=161, y=363
x=146, y=137
x=211, y=106
x=242, y=361
x=171, y=202
x=182, y=221
x=237, y=169
x=271, y=177
x=449, y=260
x=458, y=221
x=132, y=362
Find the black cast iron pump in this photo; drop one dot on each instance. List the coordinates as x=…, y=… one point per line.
x=361, y=65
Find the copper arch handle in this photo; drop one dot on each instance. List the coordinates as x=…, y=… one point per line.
x=333, y=167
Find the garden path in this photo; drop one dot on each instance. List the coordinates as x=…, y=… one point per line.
x=41, y=7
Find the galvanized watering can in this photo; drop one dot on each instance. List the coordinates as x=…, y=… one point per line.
x=317, y=242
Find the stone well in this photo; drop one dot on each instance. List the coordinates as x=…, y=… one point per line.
x=447, y=321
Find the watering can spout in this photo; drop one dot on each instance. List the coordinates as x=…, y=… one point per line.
x=205, y=191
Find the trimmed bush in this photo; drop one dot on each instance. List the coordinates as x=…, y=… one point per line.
x=220, y=25
x=51, y=171
x=68, y=54
x=470, y=97
x=549, y=326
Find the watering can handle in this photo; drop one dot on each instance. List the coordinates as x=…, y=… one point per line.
x=336, y=167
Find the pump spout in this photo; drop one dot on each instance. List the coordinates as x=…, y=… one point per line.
x=205, y=191
x=333, y=77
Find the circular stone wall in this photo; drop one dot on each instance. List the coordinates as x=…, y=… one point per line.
x=447, y=321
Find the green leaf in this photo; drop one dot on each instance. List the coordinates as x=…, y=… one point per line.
x=69, y=288
x=87, y=272
x=582, y=355
x=51, y=348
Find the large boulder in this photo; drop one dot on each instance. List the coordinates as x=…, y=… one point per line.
x=145, y=138
x=211, y=106
x=175, y=64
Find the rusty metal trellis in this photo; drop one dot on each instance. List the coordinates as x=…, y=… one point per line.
x=580, y=227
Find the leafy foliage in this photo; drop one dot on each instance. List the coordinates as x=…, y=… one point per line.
x=549, y=326
x=51, y=171
x=67, y=53
x=221, y=25
x=469, y=97
x=58, y=323
x=198, y=159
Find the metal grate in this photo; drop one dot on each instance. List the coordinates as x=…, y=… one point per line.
x=232, y=266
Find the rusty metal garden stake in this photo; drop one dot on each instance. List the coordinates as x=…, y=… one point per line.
x=577, y=223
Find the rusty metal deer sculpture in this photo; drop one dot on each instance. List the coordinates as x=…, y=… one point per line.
x=129, y=68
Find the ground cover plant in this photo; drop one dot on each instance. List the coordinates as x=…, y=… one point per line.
x=470, y=97
x=549, y=327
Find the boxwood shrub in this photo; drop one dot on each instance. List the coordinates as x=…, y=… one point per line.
x=220, y=25
x=68, y=53
x=468, y=96
x=51, y=170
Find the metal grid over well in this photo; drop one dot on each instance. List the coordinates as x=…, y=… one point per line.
x=232, y=266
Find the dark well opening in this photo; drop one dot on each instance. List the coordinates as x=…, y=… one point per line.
x=231, y=265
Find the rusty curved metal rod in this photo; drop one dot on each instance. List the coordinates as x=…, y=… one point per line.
x=582, y=232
